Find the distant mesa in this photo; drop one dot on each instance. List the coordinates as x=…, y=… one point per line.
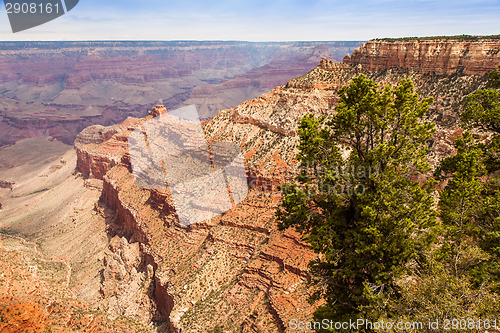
x=59, y=88
x=439, y=55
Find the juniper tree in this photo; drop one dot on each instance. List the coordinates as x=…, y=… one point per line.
x=494, y=78
x=482, y=111
x=359, y=200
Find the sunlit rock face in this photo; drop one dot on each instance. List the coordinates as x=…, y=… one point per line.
x=435, y=56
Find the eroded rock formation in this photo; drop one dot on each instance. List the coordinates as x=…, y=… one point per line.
x=237, y=271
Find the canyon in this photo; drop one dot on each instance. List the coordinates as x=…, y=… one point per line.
x=235, y=272
x=59, y=88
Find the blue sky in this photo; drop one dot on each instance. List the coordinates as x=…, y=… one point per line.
x=258, y=20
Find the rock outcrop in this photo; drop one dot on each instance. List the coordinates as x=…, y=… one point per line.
x=157, y=111
x=429, y=56
x=99, y=148
x=261, y=271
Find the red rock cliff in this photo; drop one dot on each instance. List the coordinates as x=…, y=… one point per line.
x=439, y=56
x=236, y=261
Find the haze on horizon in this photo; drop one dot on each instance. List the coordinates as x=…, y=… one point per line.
x=259, y=20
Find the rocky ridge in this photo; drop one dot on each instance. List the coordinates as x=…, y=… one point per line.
x=261, y=270
x=237, y=271
x=475, y=56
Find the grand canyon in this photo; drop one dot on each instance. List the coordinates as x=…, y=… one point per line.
x=84, y=248
x=59, y=88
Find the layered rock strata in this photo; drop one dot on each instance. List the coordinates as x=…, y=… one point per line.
x=429, y=56
x=237, y=271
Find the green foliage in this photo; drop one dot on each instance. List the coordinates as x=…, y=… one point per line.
x=359, y=205
x=482, y=109
x=436, y=293
x=494, y=78
x=460, y=199
x=470, y=203
x=467, y=208
x=357, y=200
x=458, y=37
